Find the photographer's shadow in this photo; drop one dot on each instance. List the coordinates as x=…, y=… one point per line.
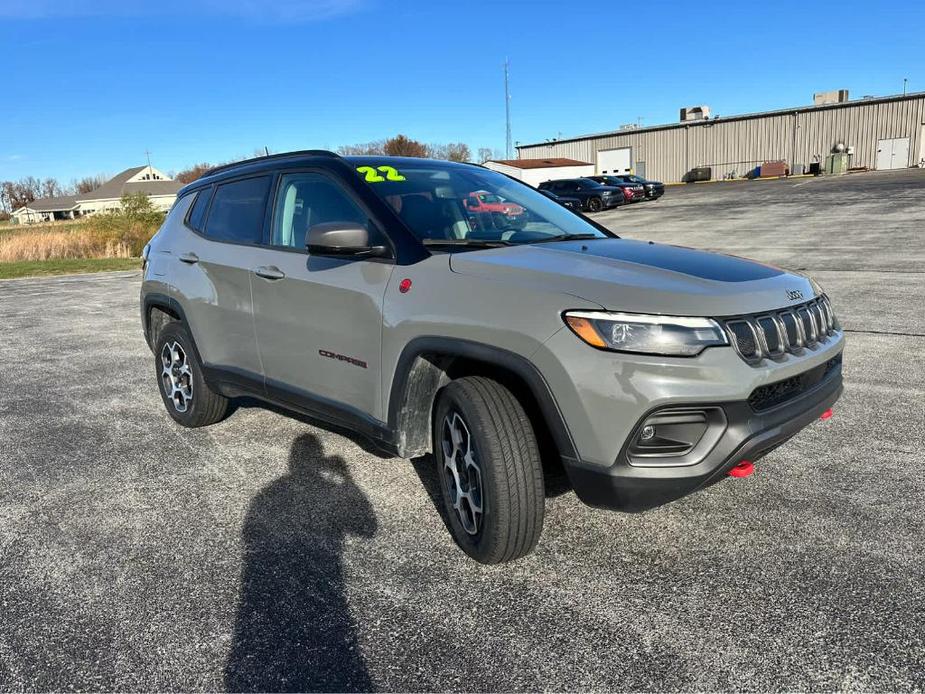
x=293, y=630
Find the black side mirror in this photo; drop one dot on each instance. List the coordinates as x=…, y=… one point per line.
x=342, y=239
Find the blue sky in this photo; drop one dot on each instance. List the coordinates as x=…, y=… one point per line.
x=88, y=86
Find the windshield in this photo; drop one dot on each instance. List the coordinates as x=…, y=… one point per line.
x=445, y=204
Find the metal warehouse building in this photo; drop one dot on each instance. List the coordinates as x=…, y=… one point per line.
x=878, y=133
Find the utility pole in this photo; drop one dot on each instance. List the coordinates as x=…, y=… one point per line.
x=509, y=153
x=905, y=81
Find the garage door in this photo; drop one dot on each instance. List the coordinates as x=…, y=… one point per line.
x=615, y=161
x=893, y=153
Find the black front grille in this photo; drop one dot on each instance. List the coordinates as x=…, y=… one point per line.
x=773, y=394
x=772, y=336
x=790, y=330
x=744, y=338
x=790, y=327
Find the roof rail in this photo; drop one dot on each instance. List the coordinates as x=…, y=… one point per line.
x=281, y=155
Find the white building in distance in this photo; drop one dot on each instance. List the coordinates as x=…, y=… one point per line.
x=158, y=186
x=535, y=171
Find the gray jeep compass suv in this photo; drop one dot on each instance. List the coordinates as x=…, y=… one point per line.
x=364, y=292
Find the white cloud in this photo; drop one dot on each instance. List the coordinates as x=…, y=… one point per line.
x=298, y=11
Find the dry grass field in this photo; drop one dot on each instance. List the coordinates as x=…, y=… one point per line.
x=112, y=235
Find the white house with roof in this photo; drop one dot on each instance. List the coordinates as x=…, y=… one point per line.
x=535, y=171
x=158, y=186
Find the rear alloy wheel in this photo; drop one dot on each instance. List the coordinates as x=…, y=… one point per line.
x=594, y=205
x=176, y=376
x=187, y=397
x=491, y=478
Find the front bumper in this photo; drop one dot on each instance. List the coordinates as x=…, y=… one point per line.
x=748, y=435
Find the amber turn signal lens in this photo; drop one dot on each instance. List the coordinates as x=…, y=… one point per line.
x=583, y=328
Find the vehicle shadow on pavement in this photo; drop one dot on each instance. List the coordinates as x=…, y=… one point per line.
x=363, y=442
x=293, y=630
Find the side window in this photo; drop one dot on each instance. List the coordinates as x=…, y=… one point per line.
x=306, y=199
x=197, y=214
x=238, y=210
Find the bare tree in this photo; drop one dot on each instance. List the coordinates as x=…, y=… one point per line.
x=452, y=151
x=88, y=183
x=16, y=194
x=485, y=154
x=375, y=147
x=50, y=188
x=458, y=151
x=192, y=173
x=402, y=146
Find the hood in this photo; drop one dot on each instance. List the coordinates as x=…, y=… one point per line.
x=640, y=277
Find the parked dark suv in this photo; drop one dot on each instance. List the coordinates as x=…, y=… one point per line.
x=594, y=196
x=571, y=203
x=633, y=192
x=652, y=190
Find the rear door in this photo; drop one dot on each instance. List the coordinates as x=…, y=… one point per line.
x=318, y=320
x=211, y=271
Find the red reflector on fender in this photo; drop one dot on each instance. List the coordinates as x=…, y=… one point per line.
x=743, y=469
x=826, y=415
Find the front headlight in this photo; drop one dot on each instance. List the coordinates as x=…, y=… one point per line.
x=643, y=334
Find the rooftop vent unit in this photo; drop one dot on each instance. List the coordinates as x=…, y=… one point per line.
x=629, y=126
x=695, y=113
x=836, y=96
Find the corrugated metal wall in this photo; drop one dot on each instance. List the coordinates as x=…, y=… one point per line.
x=736, y=146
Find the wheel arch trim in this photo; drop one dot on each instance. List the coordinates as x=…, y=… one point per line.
x=453, y=348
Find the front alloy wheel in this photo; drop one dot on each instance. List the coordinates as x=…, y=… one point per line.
x=461, y=473
x=488, y=462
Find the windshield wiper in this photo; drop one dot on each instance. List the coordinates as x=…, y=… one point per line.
x=567, y=237
x=473, y=243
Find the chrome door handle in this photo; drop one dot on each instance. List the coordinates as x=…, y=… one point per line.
x=269, y=272
x=189, y=258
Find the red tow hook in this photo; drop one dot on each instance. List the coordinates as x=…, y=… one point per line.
x=743, y=469
x=826, y=415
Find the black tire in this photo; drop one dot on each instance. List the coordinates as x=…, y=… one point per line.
x=510, y=473
x=595, y=205
x=202, y=406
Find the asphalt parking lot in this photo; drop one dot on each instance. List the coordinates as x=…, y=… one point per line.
x=269, y=553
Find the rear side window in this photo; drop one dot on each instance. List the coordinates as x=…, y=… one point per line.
x=238, y=210
x=197, y=215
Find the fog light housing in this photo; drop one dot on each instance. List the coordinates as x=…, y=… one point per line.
x=676, y=436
